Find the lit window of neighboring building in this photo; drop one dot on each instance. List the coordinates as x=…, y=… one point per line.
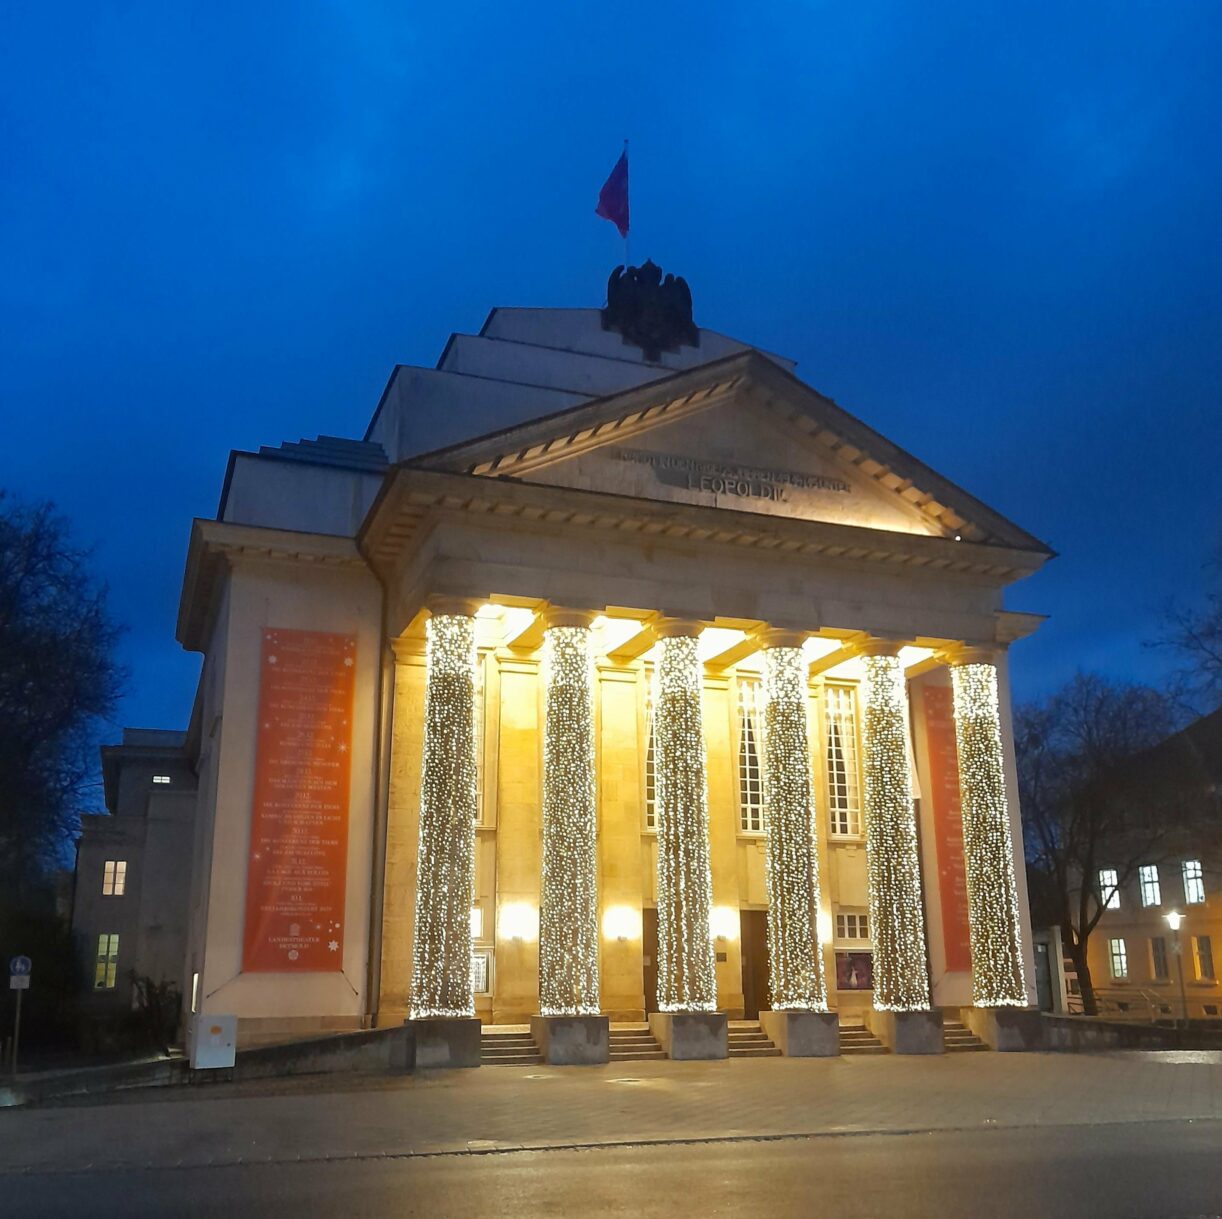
x=843, y=782
x=1119, y=958
x=1109, y=890
x=107, y=965
x=1194, y=882
x=161, y=779
x=853, y=926
x=1151, y=894
x=1158, y=958
x=750, y=774
x=114, y=877
x=1203, y=957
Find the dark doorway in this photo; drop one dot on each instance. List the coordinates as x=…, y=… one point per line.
x=649, y=959
x=754, y=930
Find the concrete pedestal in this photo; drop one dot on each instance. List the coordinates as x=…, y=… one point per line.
x=687, y=1035
x=1006, y=1028
x=803, y=1034
x=907, y=1032
x=567, y=1041
x=445, y=1041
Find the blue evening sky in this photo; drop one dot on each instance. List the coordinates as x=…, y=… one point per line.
x=991, y=231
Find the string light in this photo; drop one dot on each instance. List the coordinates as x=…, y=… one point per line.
x=445, y=858
x=988, y=847
x=568, y=931
x=901, y=981
x=687, y=978
x=795, y=957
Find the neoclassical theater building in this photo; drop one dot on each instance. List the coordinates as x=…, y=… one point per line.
x=613, y=670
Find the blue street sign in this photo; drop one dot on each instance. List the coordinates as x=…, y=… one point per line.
x=18, y=967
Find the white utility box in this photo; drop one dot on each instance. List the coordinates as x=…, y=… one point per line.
x=213, y=1041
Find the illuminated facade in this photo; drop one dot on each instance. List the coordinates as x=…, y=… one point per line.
x=660, y=686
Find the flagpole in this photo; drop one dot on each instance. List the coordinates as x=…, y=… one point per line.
x=627, y=254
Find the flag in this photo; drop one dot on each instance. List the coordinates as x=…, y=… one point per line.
x=613, y=198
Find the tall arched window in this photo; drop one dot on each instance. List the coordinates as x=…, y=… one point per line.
x=843, y=774
x=750, y=770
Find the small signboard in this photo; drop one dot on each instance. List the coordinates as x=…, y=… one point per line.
x=213, y=1042
x=19, y=973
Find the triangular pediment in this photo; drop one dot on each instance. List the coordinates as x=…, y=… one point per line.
x=740, y=434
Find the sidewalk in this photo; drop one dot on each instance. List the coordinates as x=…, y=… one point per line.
x=638, y=1102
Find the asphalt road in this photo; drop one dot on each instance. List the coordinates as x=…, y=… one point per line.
x=1150, y=1170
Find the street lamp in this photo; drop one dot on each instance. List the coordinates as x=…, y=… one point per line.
x=1174, y=919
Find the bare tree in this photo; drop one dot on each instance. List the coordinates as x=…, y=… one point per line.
x=1086, y=803
x=1194, y=637
x=58, y=681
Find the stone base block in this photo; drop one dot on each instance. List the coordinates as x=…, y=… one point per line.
x=687, y=1035
x=445, y=1041
x=1006, y=1028
x=569, y=1041
x=803, y=1034
x=907, y=1032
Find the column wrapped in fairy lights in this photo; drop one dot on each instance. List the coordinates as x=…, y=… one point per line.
x=687, y=979
x=988, y=846
x=795, y=957
x=897, y=916
x=445, y=859
x=568, y=928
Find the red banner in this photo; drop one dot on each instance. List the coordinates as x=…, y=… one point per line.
x=299, y=823
x=948, y=824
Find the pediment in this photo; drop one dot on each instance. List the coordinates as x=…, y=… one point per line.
x=738, y=434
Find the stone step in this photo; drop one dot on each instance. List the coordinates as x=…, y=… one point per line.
x=966, y=1049
x=755, y=1051
x=507, y=1039
x=636, y=1055
x=512, y=1060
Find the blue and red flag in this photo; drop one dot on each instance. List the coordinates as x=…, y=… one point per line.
x=613, y=198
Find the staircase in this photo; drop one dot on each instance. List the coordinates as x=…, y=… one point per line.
x=633, y=1043
x=857, y=1039
x=748, y=1040
x=957, y=1038
x=508, y=1045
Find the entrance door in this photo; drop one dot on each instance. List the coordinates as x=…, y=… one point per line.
x=754, y=929
x=649, y=959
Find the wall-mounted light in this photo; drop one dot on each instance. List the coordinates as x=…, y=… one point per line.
x=724, y=923
x=519, y=921
x=621, y=923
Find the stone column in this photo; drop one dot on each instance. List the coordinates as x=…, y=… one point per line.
x=988, y=846
x=795, y=957
x=897, y=916
x=568, y=927
x=445, y=871
x=686, y=968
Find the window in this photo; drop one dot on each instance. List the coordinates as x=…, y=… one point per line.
x=1194, y=882
x=853, y=926
x=1203, y=957
x=480, y=972
x=161, y=780
x=1119, y=958
x=1151, y=894
x=114, y=877
x=1158, y=958
x=1109, y=891
x=843, y=780
x=651, y=773
x=477, y=735
x=750, y=773
x=107, y=965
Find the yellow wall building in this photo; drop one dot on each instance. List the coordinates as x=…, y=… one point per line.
x=704, y=508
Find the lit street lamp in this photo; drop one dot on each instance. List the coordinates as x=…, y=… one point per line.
x=1175, y=918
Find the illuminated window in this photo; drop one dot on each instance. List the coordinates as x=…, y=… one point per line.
x=853, y=926
x=114, y=877
x=750, y=774
x=843, y=777
x=161, y=779
x=107, y=965
x=1194, y=882
x=1158, y=958
x=651, y=773
x=1109, y=892
x=1119, y=958
x=1151, y=893
x=1203, y=957
x=480, y=972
